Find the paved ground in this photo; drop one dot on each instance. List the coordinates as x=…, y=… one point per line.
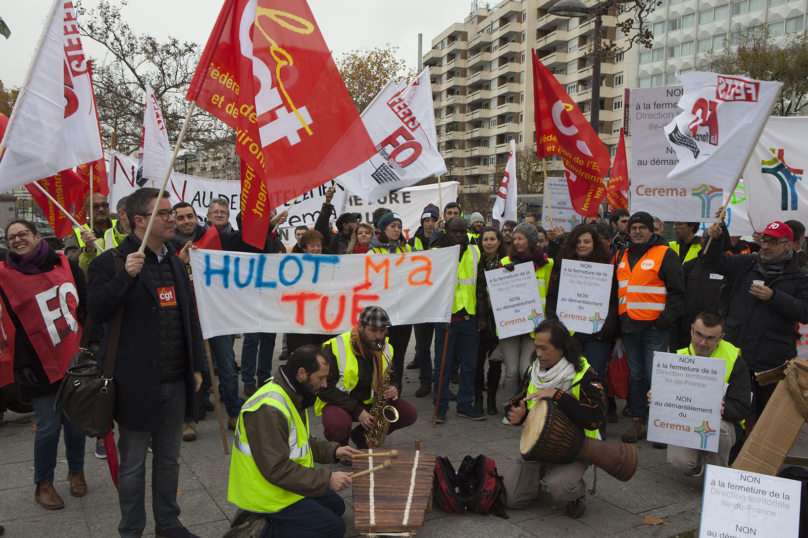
x=616, y=509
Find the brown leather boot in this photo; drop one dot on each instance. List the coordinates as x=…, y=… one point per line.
x=47, y=496
x=78, y=487
x=637, y=431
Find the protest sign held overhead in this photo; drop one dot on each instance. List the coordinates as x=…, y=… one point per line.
x=267, y=73
x=505, y=204
x=305, y=293
x=54, y=125
x=721, y=121
x=401, y=123
x=561, y=129
x=617, y=190
x=155, y=150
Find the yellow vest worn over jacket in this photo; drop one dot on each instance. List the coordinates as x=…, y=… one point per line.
x=109, y=235
x=575, y=390
x=693, y=252
x=641, y=293
x=247, y=487
x=349, y=366
x=725, y=351
x=399, y=249
x=465, y=295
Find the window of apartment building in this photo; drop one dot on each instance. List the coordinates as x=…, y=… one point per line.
x=687, y=48
x=721, y=13
x=524, y=16
x=571, y=88
x=494, y=47
x=619, y=57
x=522, y=97
x=657, y=54
x=522, y=77
x=521, y=117
x=523, y=58
x=776, y=2
x=616, y=126
x=674, y=51
x=572, y=45
x=645, y=57
x=644, y=82
x=705, y=44
x=794, y=24
x=572, y=67
x=670, y=78
x=509, y=99
x=612, y=151
x=509, y=118
x=777, y=28
x=524, y=36
x=494, y=26
x=674, y=24
x=492, y=161
x=718, y=41
x=656, y=80
x=705, y=16
x=659, y=28
x=520, y=137
x=484, y=143
x=573, y=23
x=617, y=104
x=618, y=80
x=674, y=2
x=492, y=122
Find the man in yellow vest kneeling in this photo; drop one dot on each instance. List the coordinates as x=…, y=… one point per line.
x=707, y=340
x=272, y=473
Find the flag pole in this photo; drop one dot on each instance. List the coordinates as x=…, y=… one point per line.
x=91, y=199
x=440, y=197
x=549, y=208
x=57, y=204
x=168, y=174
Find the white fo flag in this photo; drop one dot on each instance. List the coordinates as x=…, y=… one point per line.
x=401, y=123
x=721, y=121
x=505, y=204
x=775, y=186
x=155, y=151
x=54, y=125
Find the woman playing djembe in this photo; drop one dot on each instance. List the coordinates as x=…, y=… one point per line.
x=559, y=374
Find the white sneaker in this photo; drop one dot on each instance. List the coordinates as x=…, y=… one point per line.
x=505, y=421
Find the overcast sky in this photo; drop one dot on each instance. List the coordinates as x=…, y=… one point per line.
x=346, y=25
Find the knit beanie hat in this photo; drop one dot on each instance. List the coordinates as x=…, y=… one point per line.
x=477, y=217
x=387, y=220
x=641, y=217
x=432, y=211
x=529, y=231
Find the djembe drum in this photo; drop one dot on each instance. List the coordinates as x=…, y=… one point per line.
x=550, y=436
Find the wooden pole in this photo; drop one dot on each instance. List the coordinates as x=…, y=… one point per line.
x=63, y=210
x=440, y=381
x=168, y=175
x=216, y=399
x=91, y=199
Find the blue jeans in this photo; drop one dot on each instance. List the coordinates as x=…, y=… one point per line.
x=46, y=443
x=312, y=517
x=640, y=348
x=423, y=354
x=597, y=354
x=258, y=346
x=464, y=342
x=221, y=348
x=132, y=449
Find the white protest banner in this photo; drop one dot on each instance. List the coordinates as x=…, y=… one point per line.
x=197, y=191
x=721, y=120
x=306, y=208
x=652, y=159
x=155, y=151
x=515, y=298
x=583, y=295
x=773, y=177
x=305, y=293
x=686, y=394
x=559, y=204
x=742, y=503
x=401, y=122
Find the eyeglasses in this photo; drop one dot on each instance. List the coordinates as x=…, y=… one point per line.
x=96, y=207
x=164, y=215
x=218, y=213
x=773, y=242
x=640, y=228
x=678, y=224
x=23, y=234
x=709, y=340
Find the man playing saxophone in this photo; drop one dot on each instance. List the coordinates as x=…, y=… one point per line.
x=361, y=363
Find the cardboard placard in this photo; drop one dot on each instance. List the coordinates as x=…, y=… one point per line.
x=515, y=299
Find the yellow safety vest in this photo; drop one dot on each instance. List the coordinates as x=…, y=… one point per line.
x=575, y=391
x=349, y=366
x=419, y=245
x=399, y=249
x=465, y=295
x=247, y=487
x=693, y=252
x=473, y=237
x=542, y=277
x=109, y=235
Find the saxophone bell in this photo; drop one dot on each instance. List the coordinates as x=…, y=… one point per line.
x=390, y=413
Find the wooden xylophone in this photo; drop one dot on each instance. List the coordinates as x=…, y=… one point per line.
x=393, y=500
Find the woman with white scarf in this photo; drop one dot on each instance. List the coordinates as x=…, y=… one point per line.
x=560, y=374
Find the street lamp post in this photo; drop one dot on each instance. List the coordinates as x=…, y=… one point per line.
x=576, y=8
x=186, y=158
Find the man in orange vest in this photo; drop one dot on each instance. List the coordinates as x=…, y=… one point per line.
x=651, y=298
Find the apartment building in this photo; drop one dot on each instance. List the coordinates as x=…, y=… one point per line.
x=482, y=83
x=685, y=30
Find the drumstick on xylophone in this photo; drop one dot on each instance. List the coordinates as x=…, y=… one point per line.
x=393, y=454
x=384, y=466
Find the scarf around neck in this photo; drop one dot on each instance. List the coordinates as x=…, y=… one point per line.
x=558, y=377
x=373, y=357
x=31, y=263
x=359, y=249
x=775, y=266
x=536, y=257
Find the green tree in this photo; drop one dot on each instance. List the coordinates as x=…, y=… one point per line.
x=366, y=72
x=762, y=56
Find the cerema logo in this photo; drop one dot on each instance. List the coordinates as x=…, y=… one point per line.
x=705, y=432
x=706, y=193
x=786, y=175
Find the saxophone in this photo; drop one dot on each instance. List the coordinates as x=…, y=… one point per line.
x=383, y=413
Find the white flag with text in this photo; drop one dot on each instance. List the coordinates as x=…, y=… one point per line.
x=505, y=204
x=155, y=151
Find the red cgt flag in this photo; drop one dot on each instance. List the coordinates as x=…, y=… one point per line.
x=66, y=188
x=99, y=174
x=562, y=130
x=617, y=190
x=268, y=74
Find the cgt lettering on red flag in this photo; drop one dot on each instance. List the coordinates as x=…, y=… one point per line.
x=562, y=130
x=267, y=73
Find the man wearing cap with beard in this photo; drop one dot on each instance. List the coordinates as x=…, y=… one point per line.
x=651, y=298
x=768, y=295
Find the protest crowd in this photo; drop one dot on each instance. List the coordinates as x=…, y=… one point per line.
x=127, y=337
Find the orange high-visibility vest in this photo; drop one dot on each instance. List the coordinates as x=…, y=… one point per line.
x=641, y=293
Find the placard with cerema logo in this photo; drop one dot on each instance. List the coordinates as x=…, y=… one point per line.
x=583, y=295
x=685, y=408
